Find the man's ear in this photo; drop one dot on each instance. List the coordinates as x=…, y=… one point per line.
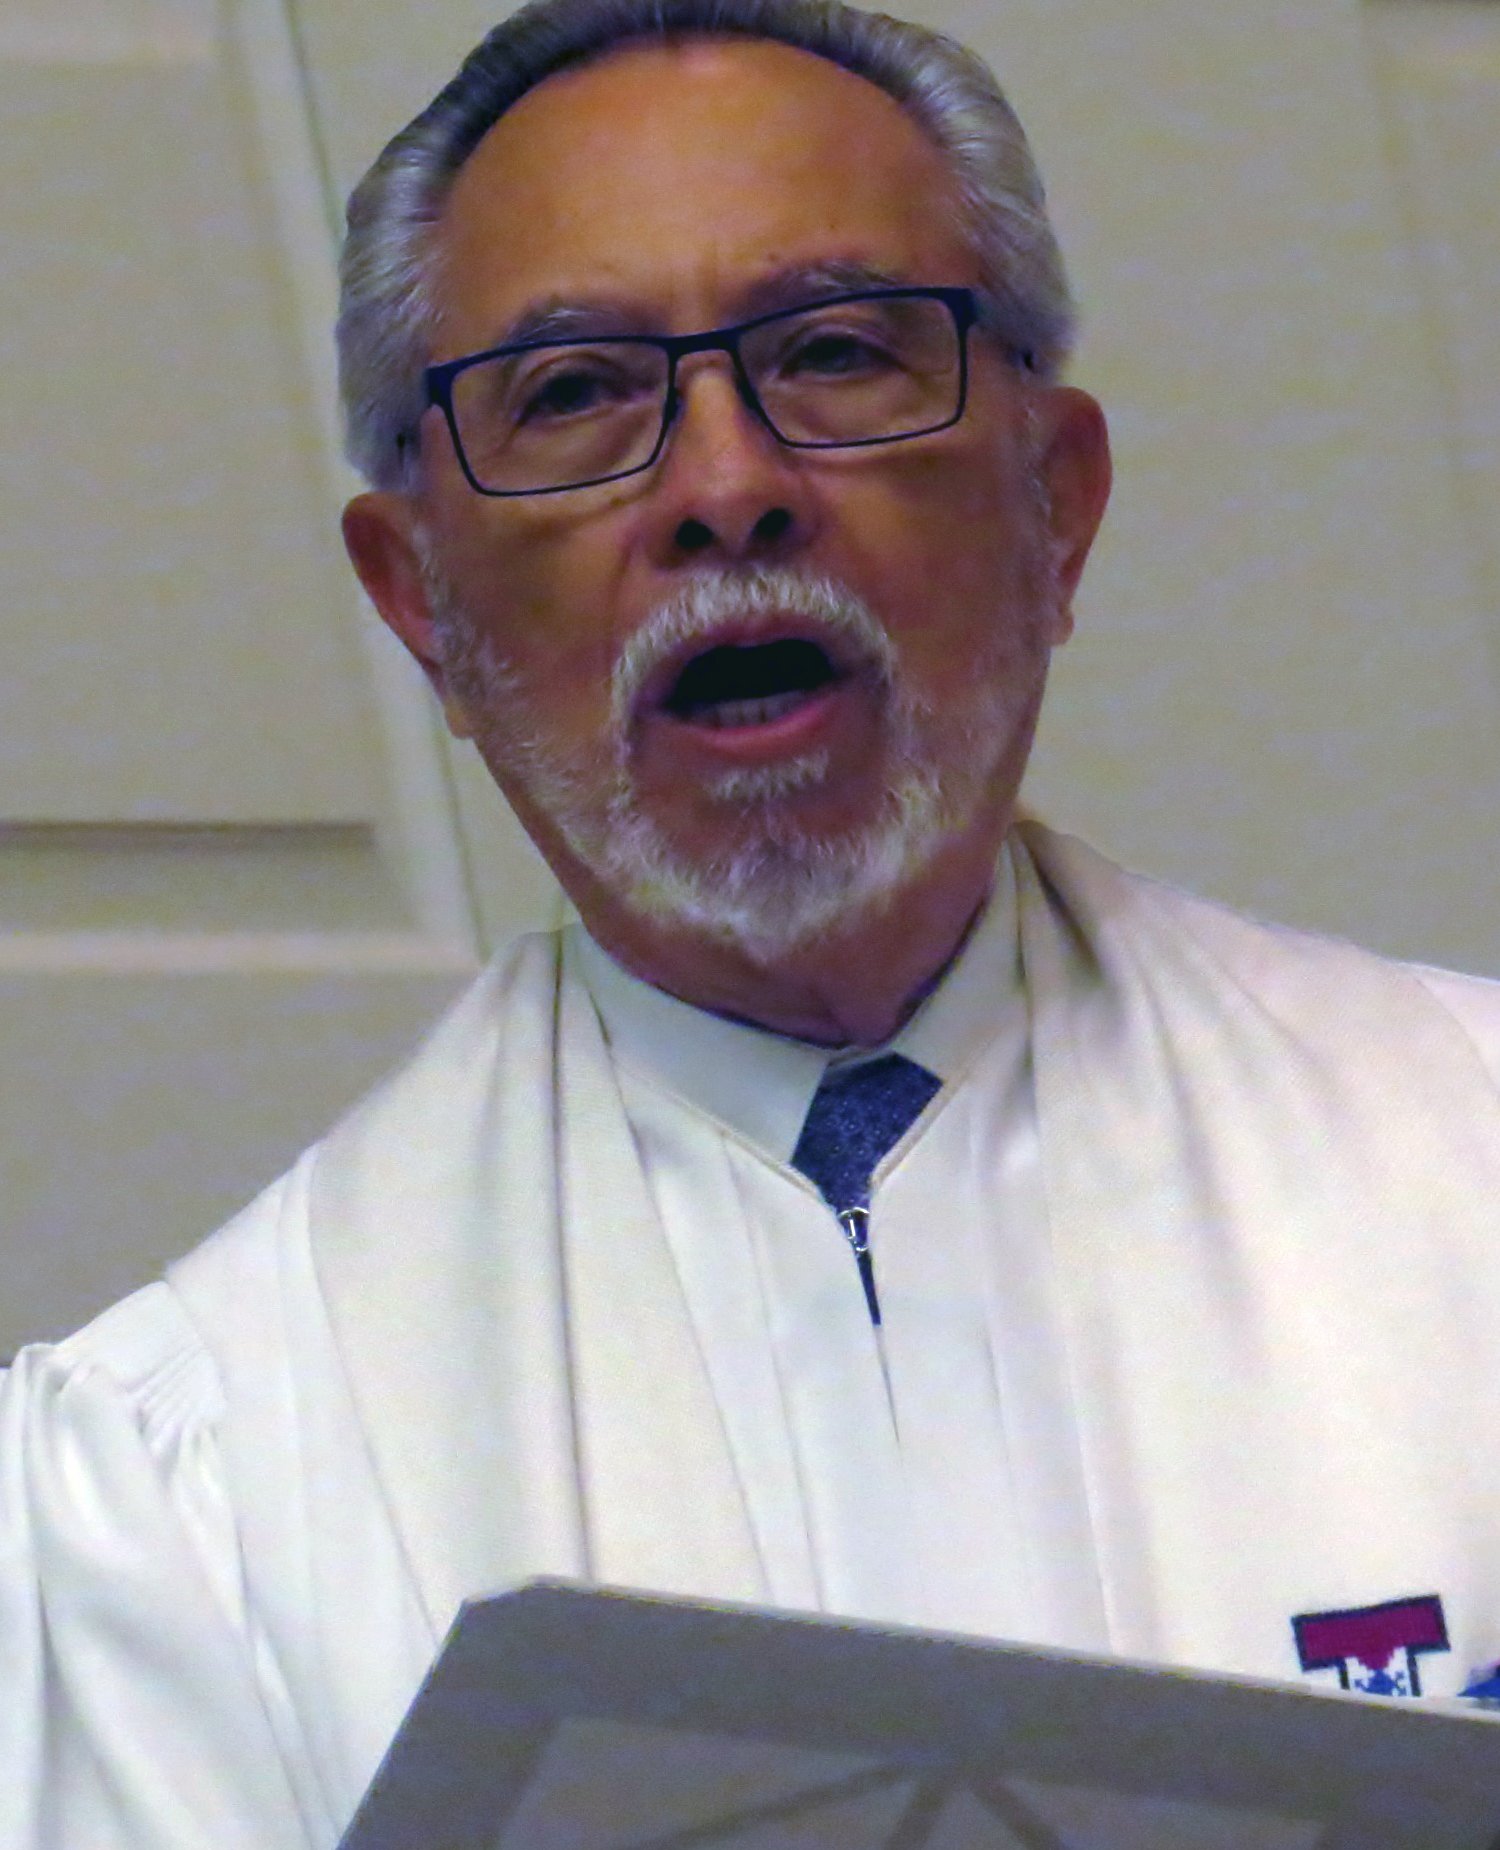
x=1074, y=465
x=381, y=539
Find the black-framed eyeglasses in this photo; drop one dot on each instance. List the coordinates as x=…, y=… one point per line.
x=845, y=372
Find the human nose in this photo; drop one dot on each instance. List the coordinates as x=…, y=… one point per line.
x=725, y=485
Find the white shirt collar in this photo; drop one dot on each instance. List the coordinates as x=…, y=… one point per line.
x=760, y=1084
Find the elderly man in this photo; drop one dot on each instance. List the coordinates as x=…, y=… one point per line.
x=881, y=1206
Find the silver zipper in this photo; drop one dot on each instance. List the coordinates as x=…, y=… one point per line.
x=856, y=1225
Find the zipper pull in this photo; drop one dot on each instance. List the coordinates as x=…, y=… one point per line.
x=856, y=1225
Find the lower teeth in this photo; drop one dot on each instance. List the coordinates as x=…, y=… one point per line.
x=750, y=712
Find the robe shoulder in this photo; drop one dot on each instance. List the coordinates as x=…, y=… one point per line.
x=1279, y=961
x=147, y=1702
x=1474, y=1003
x=139, y=1708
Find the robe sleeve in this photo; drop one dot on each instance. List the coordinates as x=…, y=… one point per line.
x=138, y=1708
x=1474, y=1002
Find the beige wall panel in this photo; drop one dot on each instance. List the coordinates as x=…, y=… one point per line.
x=143, y=1107
x=1438, y=62
x=370, y=68
x=231, y=894
x=190, y=886
x=1285, y=689
x=93, y=31
x=179, y=624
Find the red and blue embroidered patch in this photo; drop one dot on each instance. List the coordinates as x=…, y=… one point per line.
x=1374, y=1649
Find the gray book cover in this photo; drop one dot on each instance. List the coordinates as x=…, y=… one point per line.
x=562, y=1717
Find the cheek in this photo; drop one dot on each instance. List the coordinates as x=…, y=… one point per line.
x=961, y=515
x=962, y=589
x=546, y=610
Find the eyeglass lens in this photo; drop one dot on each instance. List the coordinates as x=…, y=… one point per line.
x=841, y=373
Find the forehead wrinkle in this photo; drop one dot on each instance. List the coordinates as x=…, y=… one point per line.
x=559, y=316
x=796, y=283
x=549, y=135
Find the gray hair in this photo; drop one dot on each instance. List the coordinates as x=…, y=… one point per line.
x=388, y=312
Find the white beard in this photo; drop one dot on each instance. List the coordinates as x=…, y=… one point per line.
x=775, y=885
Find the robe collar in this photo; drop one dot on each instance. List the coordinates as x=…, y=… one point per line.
x=759, y=1084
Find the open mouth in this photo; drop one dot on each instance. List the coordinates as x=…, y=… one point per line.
x=749, y=684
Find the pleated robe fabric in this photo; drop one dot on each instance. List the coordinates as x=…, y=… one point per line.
x=449, y=1351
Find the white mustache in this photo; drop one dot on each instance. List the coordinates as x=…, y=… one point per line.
x=711, y=599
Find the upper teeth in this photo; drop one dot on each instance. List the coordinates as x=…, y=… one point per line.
x=750, y=712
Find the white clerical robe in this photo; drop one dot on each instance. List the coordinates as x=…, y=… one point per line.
x=1189, y=1280
x=927, y=1470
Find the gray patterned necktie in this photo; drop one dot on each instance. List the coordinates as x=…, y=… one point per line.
x=857, y=1114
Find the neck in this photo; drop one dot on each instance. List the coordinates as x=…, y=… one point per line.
x=855, y=986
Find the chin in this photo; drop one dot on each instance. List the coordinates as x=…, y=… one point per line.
x=765, y=862
x=770, y=859
x=776, y=881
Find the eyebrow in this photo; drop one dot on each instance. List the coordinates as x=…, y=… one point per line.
x=808, y=282
x=561, y=318
x=555, y=318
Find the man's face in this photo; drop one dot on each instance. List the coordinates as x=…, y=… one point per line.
x=674, y=188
